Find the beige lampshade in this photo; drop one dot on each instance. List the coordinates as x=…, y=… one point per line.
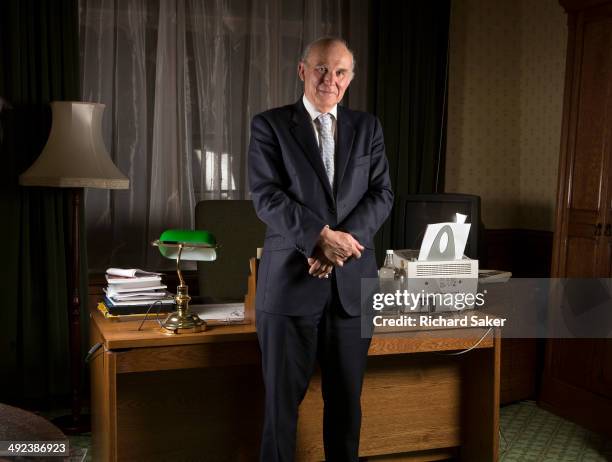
x=75, y=155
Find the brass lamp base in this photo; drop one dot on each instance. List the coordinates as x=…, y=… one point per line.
x=182, y=320
x=177, y=323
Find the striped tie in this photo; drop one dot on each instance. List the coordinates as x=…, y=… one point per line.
x=327, y=145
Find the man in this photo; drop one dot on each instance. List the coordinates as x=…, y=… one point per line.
x=319, y=180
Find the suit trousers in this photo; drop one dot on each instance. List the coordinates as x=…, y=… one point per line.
x=291, y=347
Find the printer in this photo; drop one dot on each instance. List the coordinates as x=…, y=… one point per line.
x=439, y=277
x=433, y=279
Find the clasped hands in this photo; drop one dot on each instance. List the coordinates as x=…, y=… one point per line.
x=334, y=248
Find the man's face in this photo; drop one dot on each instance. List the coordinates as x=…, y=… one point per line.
x=326, y=73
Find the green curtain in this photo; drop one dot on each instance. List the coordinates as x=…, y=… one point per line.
x=39, y=64
x=410, y=68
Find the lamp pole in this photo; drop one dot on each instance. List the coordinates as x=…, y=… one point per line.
x=75, y=423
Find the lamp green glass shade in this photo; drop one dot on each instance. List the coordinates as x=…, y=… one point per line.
x=198, y=245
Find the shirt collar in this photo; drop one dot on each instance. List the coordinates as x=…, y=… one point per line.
x=314, y=113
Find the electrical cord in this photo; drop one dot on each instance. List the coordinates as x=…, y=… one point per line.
x=92, y=350
x=159, y=305
x=457, y=353
x=90, y=354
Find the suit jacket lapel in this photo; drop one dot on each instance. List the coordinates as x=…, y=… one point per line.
x=304, y=134
x=346, y=135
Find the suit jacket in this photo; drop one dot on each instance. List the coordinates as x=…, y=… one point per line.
x=293, y=197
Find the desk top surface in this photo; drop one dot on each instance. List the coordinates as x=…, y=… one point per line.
x=125, y=334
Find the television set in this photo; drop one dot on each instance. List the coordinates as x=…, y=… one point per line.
x=414, y=212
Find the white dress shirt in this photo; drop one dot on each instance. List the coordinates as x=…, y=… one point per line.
x=314, y=113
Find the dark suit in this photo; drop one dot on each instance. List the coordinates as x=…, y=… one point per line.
x=300, y=317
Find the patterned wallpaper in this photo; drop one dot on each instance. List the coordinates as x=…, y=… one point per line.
x=506, y=80
x=544, y=43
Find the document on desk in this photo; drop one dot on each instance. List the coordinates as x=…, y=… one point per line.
x=445, y=241
x=223, y=312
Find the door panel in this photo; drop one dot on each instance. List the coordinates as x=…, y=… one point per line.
x=606, y=257
x=602, y=367
x=587, y=169
x=581, y=260
x=571, y=361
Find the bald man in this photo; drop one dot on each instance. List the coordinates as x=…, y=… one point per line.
x=319, y=180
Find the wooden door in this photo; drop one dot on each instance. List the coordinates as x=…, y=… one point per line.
x=587, y=149
x=602, y=368
x=601, y=373
x=577, y=379
x=605, y=253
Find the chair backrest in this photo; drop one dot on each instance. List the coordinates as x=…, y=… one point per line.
x=239, y=232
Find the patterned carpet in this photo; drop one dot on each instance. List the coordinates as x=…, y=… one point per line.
x=530, y=433
x=80, y=448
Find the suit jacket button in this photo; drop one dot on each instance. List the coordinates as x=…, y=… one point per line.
x=332, y=210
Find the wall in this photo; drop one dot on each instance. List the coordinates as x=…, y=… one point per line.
x=544, y=43
x=507, y=66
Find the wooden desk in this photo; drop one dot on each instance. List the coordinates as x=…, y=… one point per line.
x=199, y=396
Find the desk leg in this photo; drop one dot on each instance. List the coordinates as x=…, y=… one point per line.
x=480, y=432
x=103, y=402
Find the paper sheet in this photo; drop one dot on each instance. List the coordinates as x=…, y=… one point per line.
x=219, y=311
x=444, y=241
x=460, y=218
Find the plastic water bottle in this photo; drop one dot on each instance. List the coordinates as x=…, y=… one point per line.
x=401, y=276
x=401, y=280
x=386, y=275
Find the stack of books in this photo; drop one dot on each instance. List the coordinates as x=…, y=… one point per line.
x=133, y=291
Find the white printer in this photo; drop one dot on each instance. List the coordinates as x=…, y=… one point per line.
x=439, y=277
x=444, y=285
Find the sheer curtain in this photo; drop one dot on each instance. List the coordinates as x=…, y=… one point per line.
x=181, y=80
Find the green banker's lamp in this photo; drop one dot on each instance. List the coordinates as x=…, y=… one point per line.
x=192, y=245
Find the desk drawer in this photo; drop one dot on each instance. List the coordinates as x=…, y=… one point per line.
x=186, y=356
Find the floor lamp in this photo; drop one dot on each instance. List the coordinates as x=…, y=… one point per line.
x=75, y=157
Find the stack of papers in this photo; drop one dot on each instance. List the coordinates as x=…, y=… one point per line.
x=221, y=312
x=486, y=276
x=135, y=287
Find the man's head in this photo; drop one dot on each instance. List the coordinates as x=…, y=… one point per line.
x=326, y=68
